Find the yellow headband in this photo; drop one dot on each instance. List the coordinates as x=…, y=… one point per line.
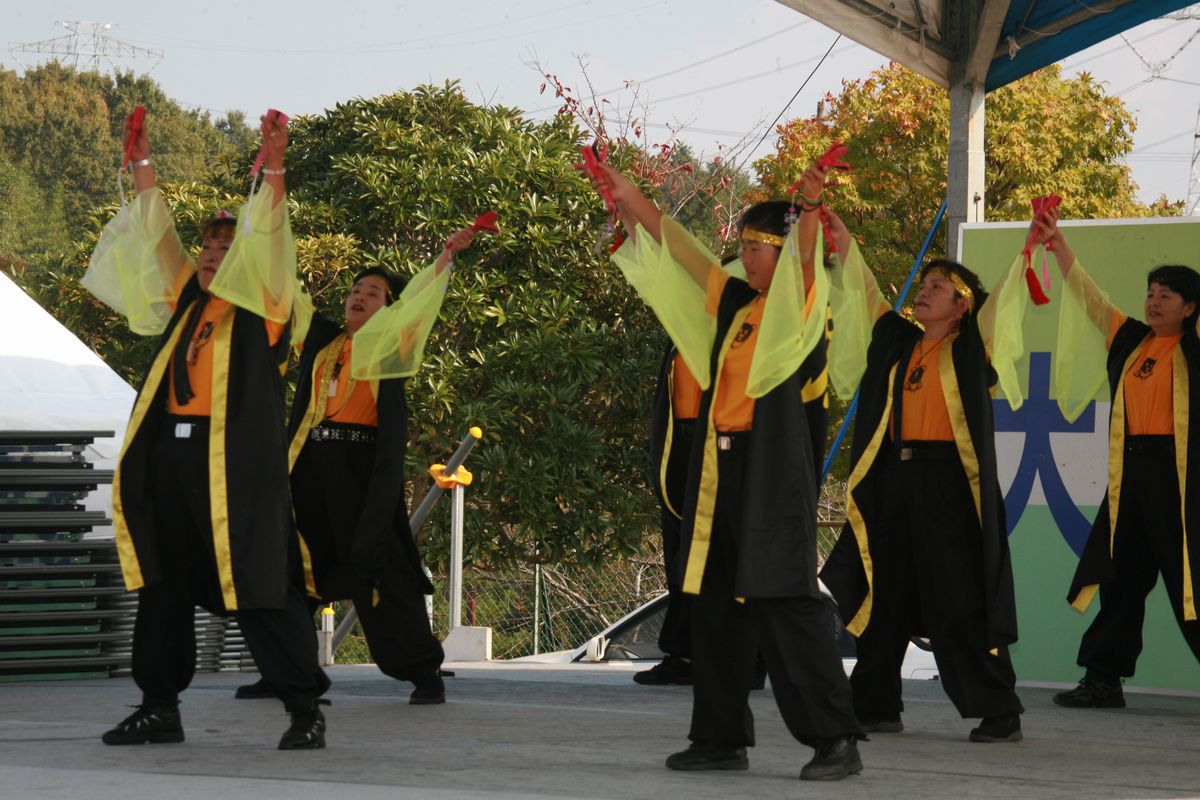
x=762, y=237
x=958, y=283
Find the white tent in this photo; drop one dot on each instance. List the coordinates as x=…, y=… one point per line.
x=49, y=380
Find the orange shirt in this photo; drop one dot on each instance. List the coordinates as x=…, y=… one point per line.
x=346, y=400
x=733, y=409
x=685, y=391
x=200, y=354
x=924, y=416
x=1149, y=403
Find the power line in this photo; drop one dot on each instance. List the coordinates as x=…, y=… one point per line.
x=692, y=65
x=788, y=105
x=755, y=76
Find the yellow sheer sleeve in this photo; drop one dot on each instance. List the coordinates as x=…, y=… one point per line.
x=787, y=335
x=259, y=272
x=392, y=342
x=671, y=289
x=1001, y=324
x=137, y=264
x=302, y=313
x=1084, y=318
x=856, y=303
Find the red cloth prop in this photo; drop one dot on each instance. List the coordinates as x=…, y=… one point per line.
x=833, y=159
x=1037, y=293
x=275, y=116
x=593, y=157
x=133, y=128
x=486, y=222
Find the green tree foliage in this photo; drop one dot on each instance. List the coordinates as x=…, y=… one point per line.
x=32, y=221
x=1043, y=134
x=541, y=342
x=63, y=130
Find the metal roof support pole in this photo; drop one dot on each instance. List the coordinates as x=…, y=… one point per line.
x=965, y=167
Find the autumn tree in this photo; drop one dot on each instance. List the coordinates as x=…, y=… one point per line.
x=1043, y=134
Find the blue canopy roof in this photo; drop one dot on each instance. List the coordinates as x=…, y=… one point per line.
x=1046, y=31
x=985, y=42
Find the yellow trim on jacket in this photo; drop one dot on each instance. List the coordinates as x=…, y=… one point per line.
x=218, y=487
x=706, y=500
x=131, y=568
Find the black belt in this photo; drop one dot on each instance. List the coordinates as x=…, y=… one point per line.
x=342, y=433
x=685, y=426
x=180, y=426
x=927, y=451
x=1147, y=443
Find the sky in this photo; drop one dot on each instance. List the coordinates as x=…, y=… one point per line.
x=716, y=72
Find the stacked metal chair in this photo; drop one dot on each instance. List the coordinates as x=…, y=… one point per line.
x=63, y=608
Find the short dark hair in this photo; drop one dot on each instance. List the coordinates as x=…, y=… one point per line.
x=394, y=282
x=217, y=228
x=1182, y=280
x=969, y=278
x=768, y=217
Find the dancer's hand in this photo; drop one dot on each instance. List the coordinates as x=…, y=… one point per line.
x=841, y=234
x=812, y=185
x=1045, y=227
x=460, y=240
x=275, y=140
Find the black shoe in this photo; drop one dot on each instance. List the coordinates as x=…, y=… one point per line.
x=835, y=759
x=671, y=670
x=147, y=725
x=430, y=691
x=307, y=731
x=259, y=690
x=708, y=756
x=1092, y=693
x=880, y=723
x=1003, y=728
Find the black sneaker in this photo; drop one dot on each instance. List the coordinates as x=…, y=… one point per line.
x=147, y=725
x=1003, y=728
x=881, y=723
x=259, y=690
x=1091, y=693
x=671, y=670
x=307, y=731
x=708, y=756
x=430, y=691
x=835, y=759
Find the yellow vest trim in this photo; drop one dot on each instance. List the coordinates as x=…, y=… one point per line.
x=1179, y=396
x=958, y=422
x=131, y=568
x=218, y=487
x=859, y=525
x=706, y=501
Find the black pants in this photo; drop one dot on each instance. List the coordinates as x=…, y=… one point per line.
x=282, y=641
x=928, y=579
x=795, y=636
x=675, y=638
x=330, y=482
x=1149, y=541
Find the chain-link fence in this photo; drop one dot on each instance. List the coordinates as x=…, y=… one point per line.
x=541, y=609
